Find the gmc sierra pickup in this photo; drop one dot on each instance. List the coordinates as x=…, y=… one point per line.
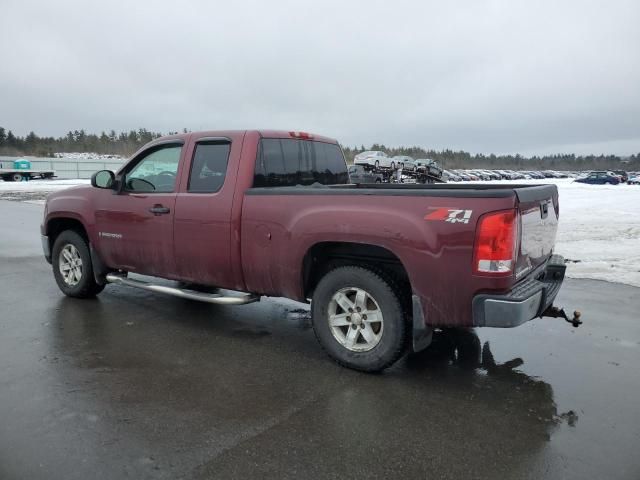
x=255, y=213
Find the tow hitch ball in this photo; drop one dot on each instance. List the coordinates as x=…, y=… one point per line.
x=556, y=312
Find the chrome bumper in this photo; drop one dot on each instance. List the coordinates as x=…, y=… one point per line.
x=528, y=300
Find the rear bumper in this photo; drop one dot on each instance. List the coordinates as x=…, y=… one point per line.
x=528, y=300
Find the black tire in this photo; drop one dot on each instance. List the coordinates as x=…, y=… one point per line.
x=378, y=180
x=16, y=177
x=86, y=286
x=393, y=340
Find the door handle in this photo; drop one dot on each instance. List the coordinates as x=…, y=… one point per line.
x=159, y=210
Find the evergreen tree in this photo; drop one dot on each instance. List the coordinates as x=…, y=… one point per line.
x=11, y=139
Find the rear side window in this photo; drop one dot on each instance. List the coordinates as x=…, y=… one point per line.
x=291, y=162
x=208, y=167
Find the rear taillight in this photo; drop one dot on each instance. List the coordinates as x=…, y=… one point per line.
x=495, y=247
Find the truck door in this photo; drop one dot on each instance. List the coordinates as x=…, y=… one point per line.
x=135, y=225
x=203, y=231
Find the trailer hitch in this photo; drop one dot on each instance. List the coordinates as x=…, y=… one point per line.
x=555, y=312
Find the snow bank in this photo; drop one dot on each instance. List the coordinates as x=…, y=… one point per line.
x=35, y=191
x=599, y=230
x=40, y=185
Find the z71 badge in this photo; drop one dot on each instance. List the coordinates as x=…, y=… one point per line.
x=450, y=215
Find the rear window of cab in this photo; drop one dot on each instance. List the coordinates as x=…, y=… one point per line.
x=283, y=162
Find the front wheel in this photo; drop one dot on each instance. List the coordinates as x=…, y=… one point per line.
x=358, y=319
x=72, y=268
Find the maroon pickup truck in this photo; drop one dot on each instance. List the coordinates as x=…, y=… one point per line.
x=234, y=215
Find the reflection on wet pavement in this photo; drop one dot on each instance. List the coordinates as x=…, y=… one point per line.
x=154, y=387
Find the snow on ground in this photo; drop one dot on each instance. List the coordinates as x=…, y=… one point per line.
x=599, y=230
x=40, y=185
x=35, y=191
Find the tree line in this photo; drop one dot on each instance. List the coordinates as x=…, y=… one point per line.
x=451, y=159
x=78, y=141
x=125, y=143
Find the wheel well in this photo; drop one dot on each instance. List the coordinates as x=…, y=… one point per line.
x=58, y=225
x=325, y=256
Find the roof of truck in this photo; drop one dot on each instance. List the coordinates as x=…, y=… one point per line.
x=265, y=133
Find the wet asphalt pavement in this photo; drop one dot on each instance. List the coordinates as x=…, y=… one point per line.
x=138, y=385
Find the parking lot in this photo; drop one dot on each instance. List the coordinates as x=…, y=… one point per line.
x=140, y=385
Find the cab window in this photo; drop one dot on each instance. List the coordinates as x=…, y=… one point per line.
x=208, y=167
x=156, y=172
x=289, y=162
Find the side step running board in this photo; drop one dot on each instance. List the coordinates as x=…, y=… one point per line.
x=179, y=292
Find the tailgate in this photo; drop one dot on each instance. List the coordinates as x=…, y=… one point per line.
x=538, y=206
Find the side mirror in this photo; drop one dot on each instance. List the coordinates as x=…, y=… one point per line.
x=103, y=179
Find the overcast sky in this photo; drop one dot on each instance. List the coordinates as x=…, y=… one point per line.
x=484, y=76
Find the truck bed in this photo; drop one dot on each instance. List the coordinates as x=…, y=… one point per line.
x=484, y=190
x=430, y=228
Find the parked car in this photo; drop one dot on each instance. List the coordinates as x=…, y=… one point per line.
x=511, y=175
x=634, y=180
x=451, y=176
x=272, y=213
x=374, y=158
x=624, y=176
x=429, y=166
x=406, y=162
x=599, y=178
x=358, y=174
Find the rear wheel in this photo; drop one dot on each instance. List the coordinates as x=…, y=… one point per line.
x=72, y=266
x=16, y=177
x=358, y=319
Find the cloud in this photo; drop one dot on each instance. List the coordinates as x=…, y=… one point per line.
x=482, y=76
